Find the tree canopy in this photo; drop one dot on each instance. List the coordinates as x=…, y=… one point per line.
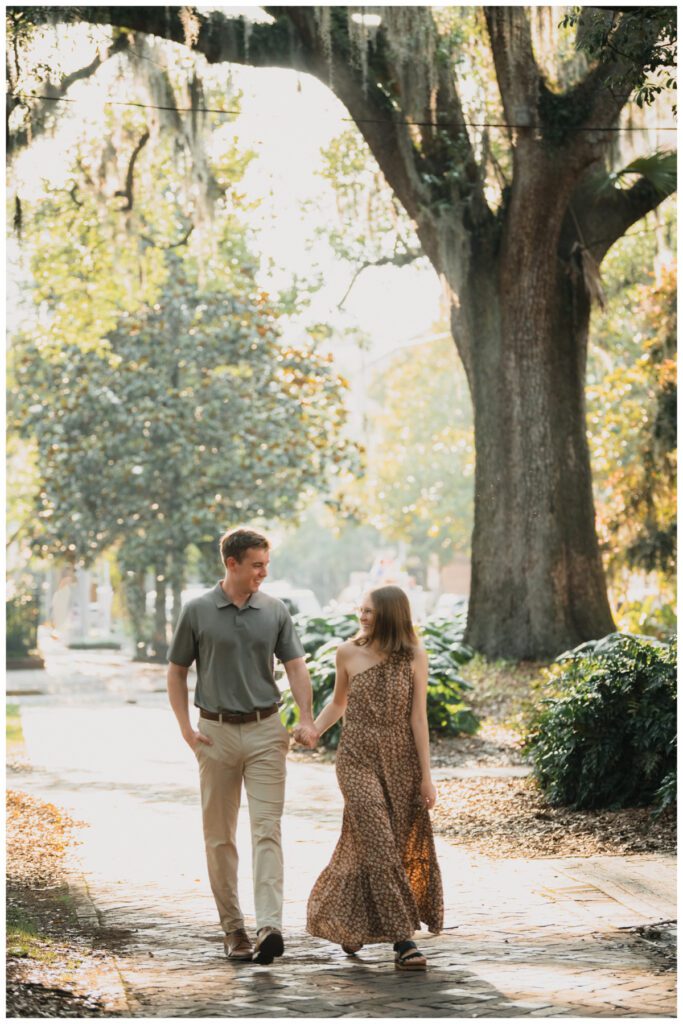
x=153, y=381
x=515, y=209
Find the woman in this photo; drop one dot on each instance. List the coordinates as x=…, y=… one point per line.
x=383, y=878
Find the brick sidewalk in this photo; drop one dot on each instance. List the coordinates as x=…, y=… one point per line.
x=522, y=938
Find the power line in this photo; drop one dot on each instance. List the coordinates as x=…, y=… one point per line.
x=130, y=103
x=363, y=120
x=494, y=124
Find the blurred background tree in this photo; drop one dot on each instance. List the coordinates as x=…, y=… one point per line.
x=154, y=386
x=632, y=398
x=420, y=460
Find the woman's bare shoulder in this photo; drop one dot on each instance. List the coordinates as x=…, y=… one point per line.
x=420, y=656
x=346, y=647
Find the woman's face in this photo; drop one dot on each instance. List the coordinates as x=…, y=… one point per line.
x=366, y=614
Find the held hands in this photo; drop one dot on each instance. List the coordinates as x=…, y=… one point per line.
x=428, y=793
x=306, y=735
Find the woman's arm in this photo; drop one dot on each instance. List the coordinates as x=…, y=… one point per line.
x=333, y=711
x=418, y=723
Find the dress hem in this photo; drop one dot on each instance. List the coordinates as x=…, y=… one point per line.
x=356, y=939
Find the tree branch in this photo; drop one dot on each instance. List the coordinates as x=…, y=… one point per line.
x=172, y=245
x=40, y=109
x=516, y=68
x=400, y=260
x=127, y=192
x=290, y=41
x=600, y=214
x=595, y=100
x=218, y=38
x=293, y=40
x=616, y=209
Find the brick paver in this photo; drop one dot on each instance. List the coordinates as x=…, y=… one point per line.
x=522, y=938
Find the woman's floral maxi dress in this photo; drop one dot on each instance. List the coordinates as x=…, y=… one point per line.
x=383, y=879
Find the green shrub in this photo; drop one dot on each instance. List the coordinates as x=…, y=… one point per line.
x=21, y=622
x=665, y=797
x=447, y=712
x=648, y=616
x=314, y=631
x=606, y=736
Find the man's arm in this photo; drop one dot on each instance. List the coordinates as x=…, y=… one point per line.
x=176, y=684
x=300, y=685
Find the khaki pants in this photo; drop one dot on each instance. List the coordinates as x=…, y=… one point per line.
x=254, y=752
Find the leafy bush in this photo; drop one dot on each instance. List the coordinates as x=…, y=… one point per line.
x=22, y=613
x=665, y=796
x=314, y=631
x=648, y=616
x=447, y=712
x=323, y=670
x=606, y=737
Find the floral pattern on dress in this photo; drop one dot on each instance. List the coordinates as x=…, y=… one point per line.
x=383, y=878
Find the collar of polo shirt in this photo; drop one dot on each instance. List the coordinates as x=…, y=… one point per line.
x=222, y=601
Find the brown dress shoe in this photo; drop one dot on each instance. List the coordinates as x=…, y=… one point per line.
x=269, y=944
x=238, y=945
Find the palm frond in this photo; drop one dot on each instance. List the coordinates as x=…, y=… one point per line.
x=659, y=169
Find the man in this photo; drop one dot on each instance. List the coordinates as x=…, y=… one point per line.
x=232, y=633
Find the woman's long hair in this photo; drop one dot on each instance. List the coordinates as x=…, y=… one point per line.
x=392, y=630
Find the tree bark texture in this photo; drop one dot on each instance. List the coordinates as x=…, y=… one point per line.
x=538, y=586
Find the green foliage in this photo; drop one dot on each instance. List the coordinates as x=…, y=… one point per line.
x=649, y=616
x=13, y=731
x=22, y=614
x=155, y=389
x=632, y=430
x=603, y=35
x=420, y=472
x=30, y=930
x=448, y=714
x=660, y=169
x=666, y=796
x=194, y=415
x=320, y=637
x=316, y=631
x=606, y=736
x=341, y=546
x=373, y=226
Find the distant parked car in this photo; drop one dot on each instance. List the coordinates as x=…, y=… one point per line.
x=297, y=599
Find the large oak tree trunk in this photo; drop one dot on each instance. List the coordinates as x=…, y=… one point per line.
x=538, y=586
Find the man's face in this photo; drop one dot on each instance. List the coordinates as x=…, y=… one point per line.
x=249, y=574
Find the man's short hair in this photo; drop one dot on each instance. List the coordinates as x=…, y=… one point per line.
x=235, y=543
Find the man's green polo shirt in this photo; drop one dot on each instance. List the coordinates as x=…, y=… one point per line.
x=234, y=648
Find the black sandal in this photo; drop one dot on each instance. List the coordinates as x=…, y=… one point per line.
x=406, y=955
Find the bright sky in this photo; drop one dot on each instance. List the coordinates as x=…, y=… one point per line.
x=286, y=119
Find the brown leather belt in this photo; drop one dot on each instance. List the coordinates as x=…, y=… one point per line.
x=236, y=719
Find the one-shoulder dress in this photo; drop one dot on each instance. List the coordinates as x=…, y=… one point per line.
x=383, y=878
